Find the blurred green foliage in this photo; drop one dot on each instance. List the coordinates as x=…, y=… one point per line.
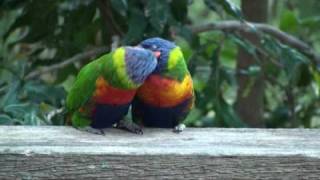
x=35, y=34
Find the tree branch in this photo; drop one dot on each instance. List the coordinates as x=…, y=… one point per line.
x=108, y=18
x=285, y=38
x=75, y=58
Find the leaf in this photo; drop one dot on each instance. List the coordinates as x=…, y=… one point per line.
x=5, y=120
x=228, y=115
x=39, y=26
x=64, y=73
x=17, y=110
x=304, y=76
x=179, y=9
x=185, y=32
x=193, y=117
x=279, y=117
x=6, y=20
x=212, y=93
x=11, y=4
x=231, y=8
x=244, y=44
x=311, y=22
x=271, y=45
x=316, y=78
x=74, y=41
x=121, y=6
x=44, y=93
x=291, y=59
x=74, y=4
x=289, y=22
x=158, y=14
x=252, y=70
x=11, y=96
x=137, y=24
x=227, y=5
x=31, y=118
x=224, y=112
x=212, y=4
x=229, y=53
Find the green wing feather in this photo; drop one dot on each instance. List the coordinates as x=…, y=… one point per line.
x=111, y=66
x=84, y=86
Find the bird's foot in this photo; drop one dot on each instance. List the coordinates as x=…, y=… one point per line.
x=179, y=128
x=92, y=130
x=129, y=126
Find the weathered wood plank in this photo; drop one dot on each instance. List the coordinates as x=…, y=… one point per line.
x=65, y=153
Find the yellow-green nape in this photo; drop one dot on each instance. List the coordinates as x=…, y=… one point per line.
x=174, y=56
x=119, y=64
x=119, y=53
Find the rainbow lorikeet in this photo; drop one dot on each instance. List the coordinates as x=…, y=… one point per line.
x=103, y=90
x=167, y=96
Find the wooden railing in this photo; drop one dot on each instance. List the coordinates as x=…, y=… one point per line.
x=50, y=152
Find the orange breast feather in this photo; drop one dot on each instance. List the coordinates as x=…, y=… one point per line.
x=164, y=92
x=106, y=94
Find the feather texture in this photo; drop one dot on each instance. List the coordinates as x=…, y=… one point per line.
x=167, y=96
x=160, y=91
x=104, y=88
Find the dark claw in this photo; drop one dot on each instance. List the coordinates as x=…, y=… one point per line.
x=102, y=132
x=176, y=131
x=92, y=130
x=129, y=126
x=138, y=131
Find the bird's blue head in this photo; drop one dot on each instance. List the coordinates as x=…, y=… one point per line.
x=161, y=49
x=139, y=63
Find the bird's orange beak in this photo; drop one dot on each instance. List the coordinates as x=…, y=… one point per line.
x=157, y=54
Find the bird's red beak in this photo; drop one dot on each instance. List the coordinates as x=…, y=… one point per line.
x=157, y=54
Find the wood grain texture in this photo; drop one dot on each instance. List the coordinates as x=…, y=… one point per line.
x=208, y=153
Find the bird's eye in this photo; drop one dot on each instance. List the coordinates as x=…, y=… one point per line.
x=154, y=47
